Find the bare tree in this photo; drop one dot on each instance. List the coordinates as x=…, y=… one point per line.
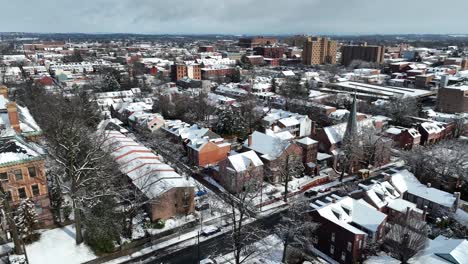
x=294, y=228
x=241, y=210
x=406, y=238
x=291, y=167
x=443, y=162
x=85, y=171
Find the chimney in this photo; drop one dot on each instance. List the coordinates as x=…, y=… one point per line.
x=4, y=91
x=13, y=116
x=249, y=141
x=457, y=199
x=407, y=214
x=313, y=128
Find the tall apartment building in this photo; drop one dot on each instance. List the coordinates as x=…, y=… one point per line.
x=256, y=42
x=452, y=99
x=362, y=52
x=319, y=50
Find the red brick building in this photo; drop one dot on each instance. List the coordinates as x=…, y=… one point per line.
x=179, y=71
x=346, y=225
x=169, y=194
x=22, y=175
x=404, y=138
x=241, y=171
x=217, y=72
x=270, y=52
x=256, y=41
x=206, y=49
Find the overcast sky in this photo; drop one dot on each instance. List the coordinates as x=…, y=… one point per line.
x=235, y=16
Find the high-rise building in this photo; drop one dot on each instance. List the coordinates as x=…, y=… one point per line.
x=362, y=52
x=319, y=50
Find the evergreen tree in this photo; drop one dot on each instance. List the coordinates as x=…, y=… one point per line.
x=230, y=123
x=56, y=199
x=110, y=83
x=26, y=218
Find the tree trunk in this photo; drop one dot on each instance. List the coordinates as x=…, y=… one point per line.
x=286, y=243
x=13, y=229
x=79, y=234
x=286, y=180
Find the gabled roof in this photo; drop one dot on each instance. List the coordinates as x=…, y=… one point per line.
x=266, y=145
x=347, y=212
x=443, y=250
x=242, y=161
x=143, y=167
x=405, y=181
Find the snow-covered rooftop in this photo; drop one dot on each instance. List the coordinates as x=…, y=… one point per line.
x=405, y=181
x=143, y=167
x=242, y=161
x=348, y=211
x=443, y=250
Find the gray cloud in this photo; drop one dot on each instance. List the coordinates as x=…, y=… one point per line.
x=235, y=17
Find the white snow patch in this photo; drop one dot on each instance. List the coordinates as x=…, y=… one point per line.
x=58, y=246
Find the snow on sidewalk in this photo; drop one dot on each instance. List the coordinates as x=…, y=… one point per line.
x=269, y=250
x=58, y=246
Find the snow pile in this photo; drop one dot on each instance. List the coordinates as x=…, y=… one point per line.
x=58, y=246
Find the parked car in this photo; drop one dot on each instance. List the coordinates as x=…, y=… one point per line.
x=310, y=193
x=202, y=207
x=210, y=230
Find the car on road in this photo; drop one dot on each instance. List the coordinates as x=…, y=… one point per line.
x=207, y=261
x=210, y=230
x=310, y=193
x=202, y=207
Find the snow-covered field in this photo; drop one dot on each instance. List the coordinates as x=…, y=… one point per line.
x=57, y=246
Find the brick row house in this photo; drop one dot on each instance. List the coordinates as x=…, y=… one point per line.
x=275, y=149
x=404, y=138
x=241, y=171
x=203, y=146
x=22, y=175
x=169, y=194
x=346, y=225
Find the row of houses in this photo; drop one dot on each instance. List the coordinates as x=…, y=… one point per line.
x=348, y=223
x=169, y=194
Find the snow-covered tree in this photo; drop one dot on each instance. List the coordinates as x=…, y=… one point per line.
x=26, y=217
x=444, y=163
x=109, y=83
x=230, y=122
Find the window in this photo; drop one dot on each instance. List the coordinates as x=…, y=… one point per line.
x=32, y=171
x=343, y=256
x=332, y=249
x=315, y=239
x=333, y=237
x=35, y=190
x=22, y=193
x=38, y=207
x=4, y=176
x=350, y=245
x=360, y=244
x=18, y=175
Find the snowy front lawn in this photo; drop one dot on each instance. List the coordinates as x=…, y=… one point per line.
x=58, y=246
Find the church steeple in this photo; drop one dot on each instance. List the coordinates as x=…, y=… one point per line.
x=351, y=126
